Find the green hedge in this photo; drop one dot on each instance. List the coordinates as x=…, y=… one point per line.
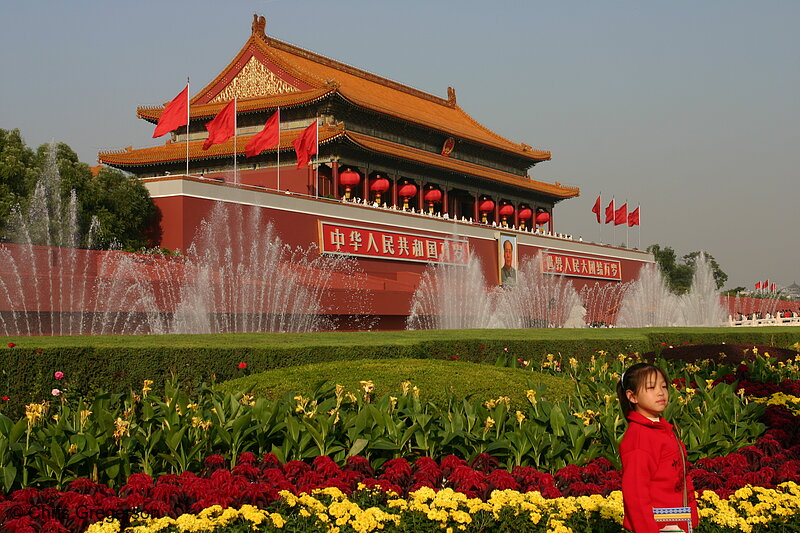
x=119, y=363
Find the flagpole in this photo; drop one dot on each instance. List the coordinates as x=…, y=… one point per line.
x=235, y=94
x=600, y=229
x=614, y=222
x=279, y=148
x=188, y=116
x=627, y=226
x=639, y=232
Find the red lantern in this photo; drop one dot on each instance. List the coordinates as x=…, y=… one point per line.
x=506, y=211
x=484, y=207
x=542, y=217
x=349, y=178
x=379, y=185
x=407, y=191
x=525, y=214
x=431, y=196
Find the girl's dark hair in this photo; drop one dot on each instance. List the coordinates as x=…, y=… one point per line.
x=634, y=378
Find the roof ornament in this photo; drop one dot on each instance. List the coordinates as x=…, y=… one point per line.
x=259, y=26
x=451, y=97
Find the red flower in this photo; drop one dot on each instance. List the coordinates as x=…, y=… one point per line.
x=242, y=365
x=11, y=344
x=6, y=398
x=37, y=352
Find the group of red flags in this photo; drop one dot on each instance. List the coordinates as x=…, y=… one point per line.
x=765, y=286
x=618, y=216
x=223, y=126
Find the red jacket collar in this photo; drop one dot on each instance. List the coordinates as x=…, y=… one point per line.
x=635, y=417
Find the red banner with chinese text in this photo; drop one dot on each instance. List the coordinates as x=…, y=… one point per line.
x=580, y=266
x=380, y=244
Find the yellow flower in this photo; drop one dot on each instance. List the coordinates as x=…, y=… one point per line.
x=406, y=387
x=573, y=362
x=146, y=387
x=368, y=386
x=121, y=428
x=520, y=417
x=489, y=423
x=531, y=395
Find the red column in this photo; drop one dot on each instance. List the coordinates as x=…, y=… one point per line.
x=516, y=216
x=550, y=223
x=420, y=188
x=365, y=186
x=497, y=211
x=394, y=189
x=475, y=216
x=445, y=202
x=335, y=174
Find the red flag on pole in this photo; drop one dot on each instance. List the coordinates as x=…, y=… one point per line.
x=266, y=138
x=765, y=285
x=175, y=114
x=306, y=145
x=221, y=127
x=758, y=285
x=610, y=212
x=633, y=217
x=621, y=215
x=596, y=209
x=772, y=287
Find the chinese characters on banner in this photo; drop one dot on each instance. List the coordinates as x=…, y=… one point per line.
x=584, y=267
x=368, y=242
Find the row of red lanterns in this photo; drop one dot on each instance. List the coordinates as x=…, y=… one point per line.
x=380, y=185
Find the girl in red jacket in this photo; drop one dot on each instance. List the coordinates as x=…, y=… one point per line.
x=656, y=492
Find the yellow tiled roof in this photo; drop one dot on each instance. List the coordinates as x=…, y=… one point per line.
x=315, y=76
x=175, y=152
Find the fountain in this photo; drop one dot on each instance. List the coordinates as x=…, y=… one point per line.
x=458, y=297
x=237, y=276
x=649, y=303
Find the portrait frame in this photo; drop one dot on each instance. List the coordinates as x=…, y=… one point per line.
x=503, y=279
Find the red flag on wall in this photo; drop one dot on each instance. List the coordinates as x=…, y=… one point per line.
x=596, y=209
x=621, y=215
x=633, y=217
x=175, y=114
x=221, y=128
x=306, y=145
x=267, y=138
x=610, y=212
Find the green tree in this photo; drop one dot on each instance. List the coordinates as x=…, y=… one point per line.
x=679, y=274
x=17, y=172
x=734, y=291
x=127, y=217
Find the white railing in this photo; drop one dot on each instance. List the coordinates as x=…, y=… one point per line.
x=776, y=321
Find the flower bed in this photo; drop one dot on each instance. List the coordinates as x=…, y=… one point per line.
x=485, y=493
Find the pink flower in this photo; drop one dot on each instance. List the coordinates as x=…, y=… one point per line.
x=58, y=374
x=55, y=392
x=242, y=365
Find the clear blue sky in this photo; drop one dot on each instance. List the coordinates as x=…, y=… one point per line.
x=689, y=108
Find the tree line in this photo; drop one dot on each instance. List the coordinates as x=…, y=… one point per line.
x=125, y=216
